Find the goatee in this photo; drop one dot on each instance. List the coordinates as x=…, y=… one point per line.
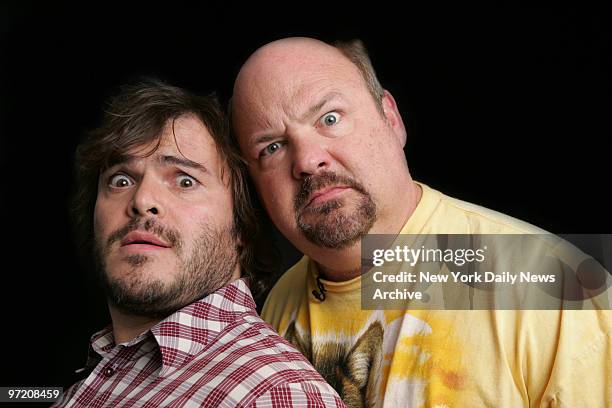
x=332, y=227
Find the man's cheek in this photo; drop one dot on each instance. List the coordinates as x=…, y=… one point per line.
x=101, y=227
x=98, y=226
x=97, y=215
x=276, y=199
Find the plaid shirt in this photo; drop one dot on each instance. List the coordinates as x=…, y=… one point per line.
x=215, y=352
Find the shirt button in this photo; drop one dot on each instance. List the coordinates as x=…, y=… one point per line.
x=109, y=371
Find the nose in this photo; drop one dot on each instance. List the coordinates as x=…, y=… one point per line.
x=146, y=200
x=310, y=157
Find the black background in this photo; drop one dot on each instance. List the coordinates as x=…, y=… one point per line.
x=506, y=107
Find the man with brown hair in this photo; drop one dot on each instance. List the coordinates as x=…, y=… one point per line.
x=324, y=145
x=162, y=197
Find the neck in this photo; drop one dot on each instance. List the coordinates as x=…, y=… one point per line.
x=345, y=264
x=340, y=265
x=127, y=327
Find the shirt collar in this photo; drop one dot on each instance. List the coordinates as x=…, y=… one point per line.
x=182, y=335
x=185, y=333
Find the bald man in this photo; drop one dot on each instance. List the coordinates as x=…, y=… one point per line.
x=324, y=145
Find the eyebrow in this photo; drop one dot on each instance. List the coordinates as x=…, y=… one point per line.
x=310, y=112
x=264, y=139
x=324, y=101
x=164, y=160
x=182, y=161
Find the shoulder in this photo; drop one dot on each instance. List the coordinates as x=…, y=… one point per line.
x=455, y=216
x=304, y=394
x=275, y=371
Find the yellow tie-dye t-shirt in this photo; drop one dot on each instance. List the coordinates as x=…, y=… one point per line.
x=445, y=358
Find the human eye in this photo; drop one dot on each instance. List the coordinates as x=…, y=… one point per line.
x=330, y=119
x=270, y=149
x=120, y=180
x=185, y=181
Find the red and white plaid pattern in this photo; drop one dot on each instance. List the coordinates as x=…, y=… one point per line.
x=216, y=352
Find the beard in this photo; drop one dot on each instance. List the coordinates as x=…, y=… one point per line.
x=207, y=267
x=332, y=227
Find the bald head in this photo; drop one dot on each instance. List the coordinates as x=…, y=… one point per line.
x=289, y=59
x=282, y=57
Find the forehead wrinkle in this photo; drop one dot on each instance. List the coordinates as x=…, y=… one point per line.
x=269, y=95
x=299, y=108
x=257, y=117
x=172, y=160
x=181, y=144
x=308, y=99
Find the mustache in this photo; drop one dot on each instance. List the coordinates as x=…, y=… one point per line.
x=324, y=179
x=169, y=235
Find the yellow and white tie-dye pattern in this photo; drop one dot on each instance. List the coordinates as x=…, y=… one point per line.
x=445, y=358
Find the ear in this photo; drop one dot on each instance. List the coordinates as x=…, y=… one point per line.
x=393, y=117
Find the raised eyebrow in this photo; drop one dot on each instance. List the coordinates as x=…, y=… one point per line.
x=327, y=98
x=126, y=159
x=313, y=110
x=182, y=161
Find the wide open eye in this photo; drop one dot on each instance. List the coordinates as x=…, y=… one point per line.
x=120, y=180
x=330, y=119
x=185, y=181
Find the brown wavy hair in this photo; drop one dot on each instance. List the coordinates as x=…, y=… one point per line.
x=135, y=117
